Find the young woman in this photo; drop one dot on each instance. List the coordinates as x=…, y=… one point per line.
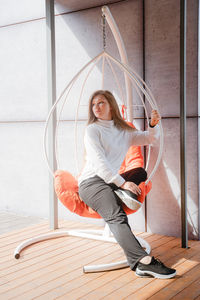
x=107, y=140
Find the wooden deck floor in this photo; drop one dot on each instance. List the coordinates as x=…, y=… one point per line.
x=53, y=269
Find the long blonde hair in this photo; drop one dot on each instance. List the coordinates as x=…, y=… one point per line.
x=117, y=118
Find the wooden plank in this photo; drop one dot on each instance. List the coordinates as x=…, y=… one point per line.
x=145, y=284
x=109, y=288
x=34, y=228
x=53, y=269
x=47, y=267
x=163, y=240
x=35, y=252
x=182, y=286
x=176, y=250
x=8, y=246
x=76, y=283
x=50, y=295
x=42, y=284
x=70, y=287
x=112, y=286
x=99, y=291
x=46, y=258
x=62, y=224
x=32, y=251
x=190, y=292
x=160, y=285
x=96, y=284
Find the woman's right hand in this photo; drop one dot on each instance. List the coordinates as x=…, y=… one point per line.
x=131, y=186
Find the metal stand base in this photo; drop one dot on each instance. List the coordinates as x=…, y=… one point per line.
x=101, y=235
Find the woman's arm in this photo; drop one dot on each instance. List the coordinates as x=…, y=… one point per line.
x=96, y=155
x=141, y=138
x=144, y=138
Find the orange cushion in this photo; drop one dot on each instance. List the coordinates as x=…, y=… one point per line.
x=133, y=159
x=66, y=187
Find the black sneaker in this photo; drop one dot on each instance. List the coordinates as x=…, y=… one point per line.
x=155, y=269
x=129, y=198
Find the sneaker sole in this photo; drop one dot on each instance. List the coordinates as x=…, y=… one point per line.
x=130, y=202
x=155, y=275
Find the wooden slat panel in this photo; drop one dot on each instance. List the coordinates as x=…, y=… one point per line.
x=66, y=261
x=97, y=289
x=45, y=282
x=53, y=269
x=145, y=287
x=7, y=248
x=186, y=285
x=160, y=285
x=71, y=246
x=69, y=287
x=56, y=247
x=190, y=292
x=97, y=284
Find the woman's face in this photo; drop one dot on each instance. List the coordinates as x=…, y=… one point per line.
x=101, y=108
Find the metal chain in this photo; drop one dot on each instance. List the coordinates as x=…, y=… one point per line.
x=104, y=31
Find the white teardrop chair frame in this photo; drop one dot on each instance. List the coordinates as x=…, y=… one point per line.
x=131, y=77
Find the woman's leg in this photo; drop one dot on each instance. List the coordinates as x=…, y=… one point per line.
x=101, y=198
x=136, y=175
x=129, y=198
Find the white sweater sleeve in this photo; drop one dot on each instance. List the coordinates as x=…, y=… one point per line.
x=141, y=138
x=96, y=155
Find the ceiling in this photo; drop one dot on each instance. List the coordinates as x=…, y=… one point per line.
x=76, y=5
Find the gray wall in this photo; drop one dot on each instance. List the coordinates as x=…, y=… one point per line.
x=162, y=68
x=23, y=105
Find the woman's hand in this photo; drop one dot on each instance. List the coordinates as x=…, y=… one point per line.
x=131, y=186
x=155, y=118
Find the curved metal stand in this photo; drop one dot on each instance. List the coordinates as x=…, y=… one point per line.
x=101, y=235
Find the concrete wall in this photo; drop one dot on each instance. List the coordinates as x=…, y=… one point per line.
x=162, y=69
x=23, y=105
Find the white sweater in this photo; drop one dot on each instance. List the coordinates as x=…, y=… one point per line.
x=106, y=147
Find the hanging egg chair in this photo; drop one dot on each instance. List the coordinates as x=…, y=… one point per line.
x=66, y=185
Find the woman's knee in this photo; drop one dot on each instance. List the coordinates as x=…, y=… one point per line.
x=136, y=175
x=102, y=199
x=142, y=174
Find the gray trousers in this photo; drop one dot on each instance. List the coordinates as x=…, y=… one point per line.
x=101, y=198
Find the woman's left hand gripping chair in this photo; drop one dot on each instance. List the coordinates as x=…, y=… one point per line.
x=66, y=187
